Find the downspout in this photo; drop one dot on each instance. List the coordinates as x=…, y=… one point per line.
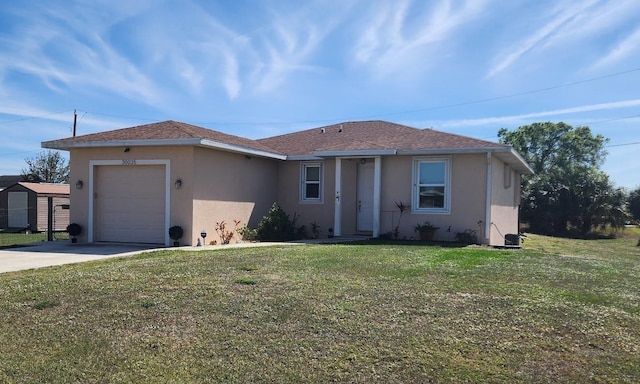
x=377, y=186
x=487, y=215
x=337, y=215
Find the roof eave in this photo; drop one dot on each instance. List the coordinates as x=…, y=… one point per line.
x=508, y=155
x=516, y=161
x=65, y=145
x=242, y=150
x=356, y=153
x=162, y=142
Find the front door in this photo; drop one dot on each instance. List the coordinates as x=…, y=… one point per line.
x=364, y=207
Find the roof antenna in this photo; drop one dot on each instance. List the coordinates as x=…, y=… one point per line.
x=75, y=119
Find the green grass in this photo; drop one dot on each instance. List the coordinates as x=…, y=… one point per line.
x=19, y=239
x=556, y=311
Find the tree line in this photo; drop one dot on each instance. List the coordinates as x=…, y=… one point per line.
x=569, y=194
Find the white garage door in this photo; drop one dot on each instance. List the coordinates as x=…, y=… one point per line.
x=129, y=203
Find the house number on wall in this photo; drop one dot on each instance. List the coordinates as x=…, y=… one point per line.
x=128, y=162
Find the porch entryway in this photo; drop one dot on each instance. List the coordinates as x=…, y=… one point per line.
x=364, y=213
x=367, y=182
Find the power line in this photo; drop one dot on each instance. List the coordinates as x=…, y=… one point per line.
x=485, y=100
x=446, y=106
x=621, y=145
x=32, y=117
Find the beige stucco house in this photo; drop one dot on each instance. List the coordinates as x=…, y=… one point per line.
x=132, y=184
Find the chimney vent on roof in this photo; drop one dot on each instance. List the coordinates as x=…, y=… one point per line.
x=321, y=130
x=340, y=129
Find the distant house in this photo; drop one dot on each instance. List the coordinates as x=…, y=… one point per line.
x=9, y=180
x=132, y=184
x=24, y=206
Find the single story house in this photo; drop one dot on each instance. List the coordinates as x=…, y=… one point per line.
x=132, y=184
x=25, y=206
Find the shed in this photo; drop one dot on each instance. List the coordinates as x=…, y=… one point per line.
x=24, y=206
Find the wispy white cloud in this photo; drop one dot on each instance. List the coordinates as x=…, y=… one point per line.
x=555, y=24
x=529, y=116
x=629, y=46
x=287, y=44
x=68, y=51
x=398, y=34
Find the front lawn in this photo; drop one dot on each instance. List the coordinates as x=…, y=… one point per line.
x=388, y=312
x=20, y=239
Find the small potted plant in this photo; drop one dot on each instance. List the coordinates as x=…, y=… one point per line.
x=175, y=233
x=74, y=230
x=426, y=230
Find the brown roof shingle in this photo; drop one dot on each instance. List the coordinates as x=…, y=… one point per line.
x=344, y=137
x=370, y=135
x=165, y=130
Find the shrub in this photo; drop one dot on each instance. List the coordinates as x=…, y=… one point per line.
x=469, y=236
x=226, y=234
x=276, y=225
x=74, y=229
x=176, y=233
x=315, y=229
x=247, y=233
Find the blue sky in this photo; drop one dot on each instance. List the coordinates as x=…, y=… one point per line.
x=262, y=68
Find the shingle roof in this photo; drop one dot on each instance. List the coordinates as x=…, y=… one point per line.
x=165, y=130
x=334, y=140
x=370, y=135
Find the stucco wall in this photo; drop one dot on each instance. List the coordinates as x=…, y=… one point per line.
x=468, y=197
x=504, y=202
x=289, y=183
x=228, y=187
x=222, y=186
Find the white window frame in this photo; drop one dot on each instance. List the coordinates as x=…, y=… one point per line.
x=415, y=190
x=303, y=182
x=507, y=176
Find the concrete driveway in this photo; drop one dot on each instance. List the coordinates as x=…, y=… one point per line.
x=47, y=254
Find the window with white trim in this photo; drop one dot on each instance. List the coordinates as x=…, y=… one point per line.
x=311, y=182
x=507, y=176
x=431, y=185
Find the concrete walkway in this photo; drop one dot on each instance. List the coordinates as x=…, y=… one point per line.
x=47, y=254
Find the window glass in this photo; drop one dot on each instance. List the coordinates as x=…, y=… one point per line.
x=313, y=173
x=432, y=173
x=311, y=182
x=431, y=189
x=431, y=197
x=312, y=191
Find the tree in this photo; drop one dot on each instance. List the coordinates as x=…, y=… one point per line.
x=568, y=192
x=47, y=167
x=634, y=203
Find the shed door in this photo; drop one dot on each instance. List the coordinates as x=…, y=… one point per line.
x=18, y=205
x=130, y=203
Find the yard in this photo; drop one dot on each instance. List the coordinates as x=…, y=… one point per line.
x=556, y=311
x=17, y=239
